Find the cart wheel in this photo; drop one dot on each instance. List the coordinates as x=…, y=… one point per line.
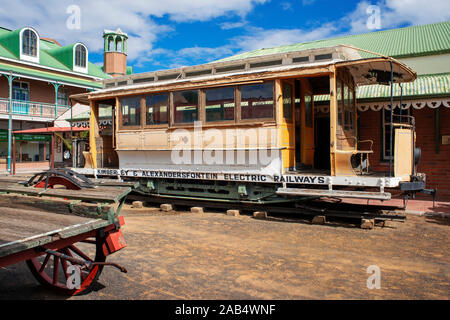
x=52, y=276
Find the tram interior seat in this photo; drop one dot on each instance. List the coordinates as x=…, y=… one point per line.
x=363, y=165
x=359, y=158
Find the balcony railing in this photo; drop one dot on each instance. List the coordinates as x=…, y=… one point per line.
x=32, y=109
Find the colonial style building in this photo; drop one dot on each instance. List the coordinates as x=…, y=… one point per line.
x=37, y=76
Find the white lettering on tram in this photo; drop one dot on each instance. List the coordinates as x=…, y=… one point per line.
x=245, y=177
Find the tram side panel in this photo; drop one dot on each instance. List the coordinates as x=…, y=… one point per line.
x=241, y=150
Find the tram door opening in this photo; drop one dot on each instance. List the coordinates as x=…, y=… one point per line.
x=109, y=158
x=304, y=125
x=322, y=138
x=103, y=138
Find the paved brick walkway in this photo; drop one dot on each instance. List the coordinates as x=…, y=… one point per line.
x=420, y=205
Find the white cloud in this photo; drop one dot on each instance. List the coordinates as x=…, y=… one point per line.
x=232, y=25
x=286, y=6
x=137, y=18
x=417, y=12
x=132, y=16
x=190, y=56
x=394, y=13
x=258, y=38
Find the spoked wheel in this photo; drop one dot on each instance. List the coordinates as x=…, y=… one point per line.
x=54, y=272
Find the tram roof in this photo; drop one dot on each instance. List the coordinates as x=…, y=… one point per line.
x=365, y=71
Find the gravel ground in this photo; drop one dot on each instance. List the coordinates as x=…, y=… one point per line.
x=180, y=255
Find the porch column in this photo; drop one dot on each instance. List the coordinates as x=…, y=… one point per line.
x=93, y=132
x=56, y=85
x=437, y=128
x=52, y=152
x=333, y=115
x=13, y=155
x=10, y=122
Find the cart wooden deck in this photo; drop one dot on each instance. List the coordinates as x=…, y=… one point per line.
x=33, y=216
x=22, y=229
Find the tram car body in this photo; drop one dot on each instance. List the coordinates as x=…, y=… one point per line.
x=244, y=130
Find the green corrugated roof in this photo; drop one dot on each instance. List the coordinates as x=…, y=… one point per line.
x=424, y=85
x=103, y=113
x=410, y=41
x=63, y=54
x=9, y=44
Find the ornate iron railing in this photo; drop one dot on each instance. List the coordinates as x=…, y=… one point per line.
x=32, y=108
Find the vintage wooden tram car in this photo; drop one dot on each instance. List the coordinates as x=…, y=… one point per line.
x=245, y=130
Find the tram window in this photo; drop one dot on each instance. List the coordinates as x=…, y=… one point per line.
x=131, y=111
x=257, y=101
x=308, y=111
x=345, y=104
x=156, y=109
x=186, y=106
x=287, y=101
x=348, y=109
x=339, y=102
x=219, y=104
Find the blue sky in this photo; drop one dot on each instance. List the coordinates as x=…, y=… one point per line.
x=171, y=33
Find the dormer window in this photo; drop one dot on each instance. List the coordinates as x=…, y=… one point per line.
x=29, y=43
x=80, y=58
x=29, y=49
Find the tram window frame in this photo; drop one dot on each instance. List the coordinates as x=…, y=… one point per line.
x=288, y=109
x=122, y=126
x=309, y=110
x=174, y=106
x=348, y=123
x=205, y=105
x=245, y=120
x=340, y=103
x=146, y=108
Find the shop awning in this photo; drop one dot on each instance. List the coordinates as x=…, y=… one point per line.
x=51, y=130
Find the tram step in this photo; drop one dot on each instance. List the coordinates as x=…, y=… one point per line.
x=334, y=193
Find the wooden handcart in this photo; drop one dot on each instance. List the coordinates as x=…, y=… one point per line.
x=63, y=225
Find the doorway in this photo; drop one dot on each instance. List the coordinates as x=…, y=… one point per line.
x=322, y=139
x=304, y=125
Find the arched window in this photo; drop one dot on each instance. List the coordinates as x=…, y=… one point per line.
x=119, y=45
x=80, y=56
x=29, y=43
x=111, y=44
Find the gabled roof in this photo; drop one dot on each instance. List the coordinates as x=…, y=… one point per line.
x=397, y=43
x=51, y=55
